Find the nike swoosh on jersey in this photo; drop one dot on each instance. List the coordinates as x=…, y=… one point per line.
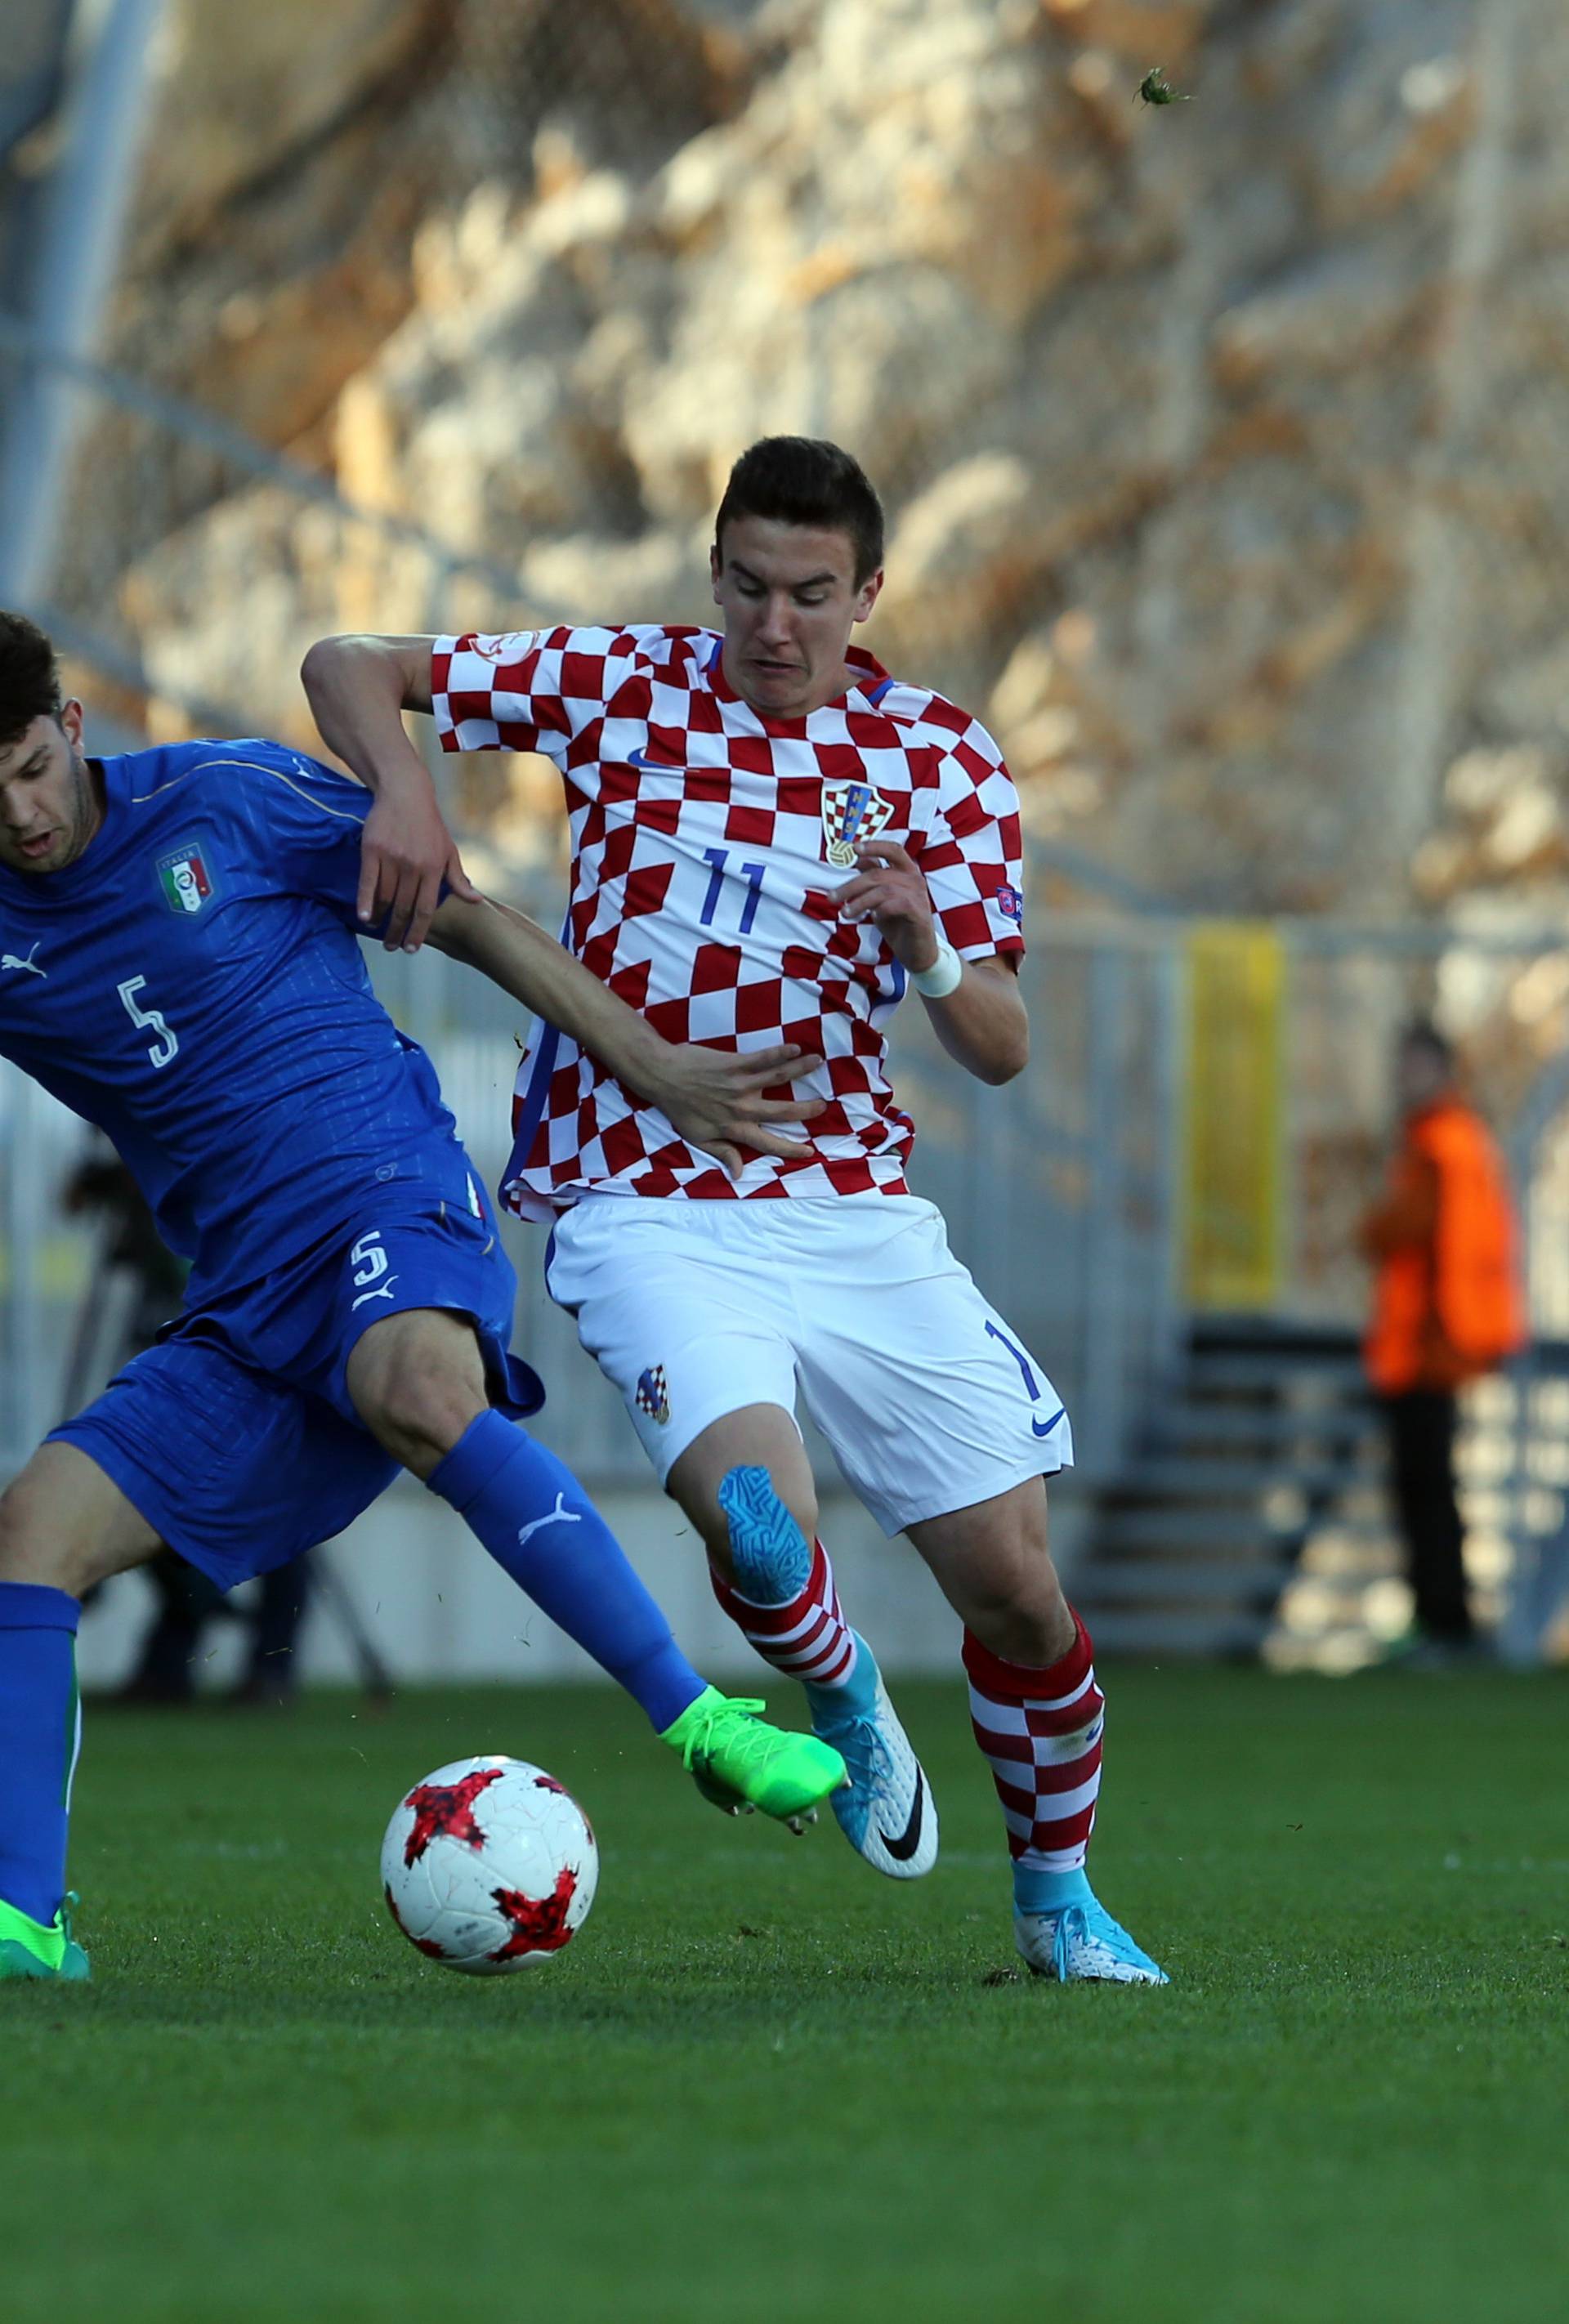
x=1045, y=1427
x=644, y=764
x=903, y=1849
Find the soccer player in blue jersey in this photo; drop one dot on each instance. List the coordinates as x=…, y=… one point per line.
x=179, y=965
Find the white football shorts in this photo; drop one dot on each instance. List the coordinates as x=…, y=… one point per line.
x=695, y=1309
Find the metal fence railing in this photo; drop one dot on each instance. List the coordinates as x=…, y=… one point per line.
x=1064, y=1193
x=1056, y=1191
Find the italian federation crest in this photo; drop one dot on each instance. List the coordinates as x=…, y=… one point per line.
x=185, y=879
x=852, y=811
x=652, y=1396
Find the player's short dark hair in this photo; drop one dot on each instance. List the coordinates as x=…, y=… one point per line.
x=30, y=684
x=802, y=480
x=1422, y=1037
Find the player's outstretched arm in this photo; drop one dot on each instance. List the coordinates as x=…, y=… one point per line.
x=358, y=688
x=713, y=1098
x=979, y=1017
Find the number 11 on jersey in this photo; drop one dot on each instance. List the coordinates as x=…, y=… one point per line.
x=719, y=857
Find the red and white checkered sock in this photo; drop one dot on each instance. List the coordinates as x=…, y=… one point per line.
x=1041, y=1731
x=807, y=1637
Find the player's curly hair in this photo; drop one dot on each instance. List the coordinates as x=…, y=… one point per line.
x=803, y=480
x=30, y=684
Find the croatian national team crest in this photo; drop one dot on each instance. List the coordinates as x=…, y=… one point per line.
x=653, y=1396
x=852, y=811
x=187, y=882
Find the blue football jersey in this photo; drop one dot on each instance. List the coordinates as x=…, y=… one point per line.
x=193, y=984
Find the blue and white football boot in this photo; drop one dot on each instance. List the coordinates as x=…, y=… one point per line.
x=886, y=1812
x=1063, y=1931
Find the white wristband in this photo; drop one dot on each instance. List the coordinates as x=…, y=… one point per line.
x=936, y=983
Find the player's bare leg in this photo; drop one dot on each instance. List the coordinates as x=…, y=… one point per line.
x=417, y=1380
x=747, y=1486
x=1037, y=1716
x=760, y=1435
x=64, y=1526
x=993, y=1562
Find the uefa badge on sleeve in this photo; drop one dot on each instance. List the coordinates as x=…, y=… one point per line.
x=186, y=882
x=852, y=811
x=652, y=1396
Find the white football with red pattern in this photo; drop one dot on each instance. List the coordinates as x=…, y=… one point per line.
x=489, y=1866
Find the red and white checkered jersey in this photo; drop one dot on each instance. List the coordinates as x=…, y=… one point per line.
x=708, y=843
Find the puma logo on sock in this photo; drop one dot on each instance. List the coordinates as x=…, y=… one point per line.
x=560, y=1515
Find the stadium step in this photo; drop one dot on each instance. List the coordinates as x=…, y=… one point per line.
x=1230, y=1637
x=1260, y=1428
x=1269, y=1375
x=1198, y=1527
x=1262, y=1467
x=1170, y=1477
x=1262, y=1441
x=1153, y=1582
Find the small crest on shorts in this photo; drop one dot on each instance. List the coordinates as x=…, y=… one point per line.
x=652, y=1395
x=852, y=811
x=185, y=879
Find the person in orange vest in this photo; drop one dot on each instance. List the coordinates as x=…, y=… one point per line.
x=1448, y=1306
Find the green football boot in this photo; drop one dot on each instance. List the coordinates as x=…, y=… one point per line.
x=34, y=1949
x=741, y=1763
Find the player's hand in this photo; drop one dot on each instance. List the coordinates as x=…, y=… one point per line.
x=405, y=854
x=714, y=1097
x=889, y=889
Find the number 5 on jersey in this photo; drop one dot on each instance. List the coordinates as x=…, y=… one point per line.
x=166, y=1048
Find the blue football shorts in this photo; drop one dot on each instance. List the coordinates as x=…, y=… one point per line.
x=235, y=1437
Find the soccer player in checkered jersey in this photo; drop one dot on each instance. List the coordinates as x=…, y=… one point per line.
x=772, y=840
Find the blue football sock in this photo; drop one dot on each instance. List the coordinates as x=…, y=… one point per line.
x=40, y=1732
x=1037, y=1890
x=538, y=1524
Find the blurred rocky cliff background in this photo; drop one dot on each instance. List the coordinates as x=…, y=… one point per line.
x=1224, y=443
x=1224, y=448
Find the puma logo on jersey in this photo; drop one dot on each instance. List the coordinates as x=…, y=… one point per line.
x=12, y=960
x=372, y=1270
x=560, y=1515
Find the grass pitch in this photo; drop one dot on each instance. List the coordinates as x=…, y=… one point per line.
x=765, y=2083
